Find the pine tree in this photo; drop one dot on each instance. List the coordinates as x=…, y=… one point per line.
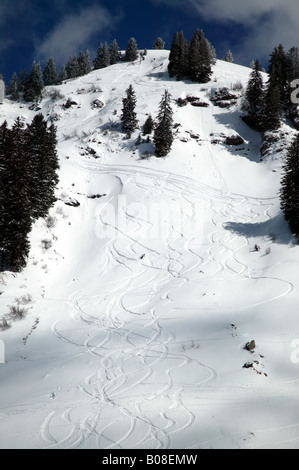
x=34, y=85
x=84, y=63
x=131, y=50
x=103, y=57
x=15, y=208
x=272, y=108
x=43, y=163
x=278, y=72
x=213, y=55
x=183, y=60
x=23, y=78
x=254, y=91
x=289, y=194
x=50, y=73
x=114, y=52
x=293, y=64
x=163, y=136
x=199, y=58
x=62, y=75
x=12, y=88
x=72, y=67
x=128, y=118
x=228, y=57
x=175, y=54
x=148, y=126
x=159, y=43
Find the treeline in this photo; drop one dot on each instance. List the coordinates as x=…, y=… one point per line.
x=28, y=178
x=266, y=104
x=30, y=86
x=191, y=60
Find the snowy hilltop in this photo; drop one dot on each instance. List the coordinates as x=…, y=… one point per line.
x=159, y=305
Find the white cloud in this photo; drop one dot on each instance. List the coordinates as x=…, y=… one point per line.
x=73, y=32
x=267, y=22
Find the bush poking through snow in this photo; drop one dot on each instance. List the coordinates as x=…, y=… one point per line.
x=24, y=300
x=16, y=312
x=46, y=244
x=50, y=221
x=4, y=325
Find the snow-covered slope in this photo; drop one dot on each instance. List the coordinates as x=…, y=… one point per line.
x=141, y=305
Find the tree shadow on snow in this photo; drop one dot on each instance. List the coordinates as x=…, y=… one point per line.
x=275, y=229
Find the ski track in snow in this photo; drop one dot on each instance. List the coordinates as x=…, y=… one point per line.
x=135, y=392
x=133, y=346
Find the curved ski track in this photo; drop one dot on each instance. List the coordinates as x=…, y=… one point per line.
x=134, y=398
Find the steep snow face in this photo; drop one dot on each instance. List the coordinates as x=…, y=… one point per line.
x=151, y=276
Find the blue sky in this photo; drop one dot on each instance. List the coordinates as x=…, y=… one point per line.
x=39, y=29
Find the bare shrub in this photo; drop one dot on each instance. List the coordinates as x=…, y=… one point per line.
x=46, y=244
x=50, y=221
x=55, y=94
x=25, y=299
x=237, y=86
x=4, y=325
x=16, y=312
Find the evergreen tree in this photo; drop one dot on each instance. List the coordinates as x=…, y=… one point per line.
x=163, y=136
x=213, y=55
x=63, y=74
x=23, y=78
x=278, y=73
x=84, y=63
x=50, y=73
x=199, y=58
x=228, y=57
x=12, y=88
x=131, y=51
x=34, y=85
x=128, y=118
x=272, y=108
x=183, y=61
x=159, y=43
x=175, y=53
x=113, y=52
x=43, y=164
x=293, y=64
x=103, y=57
x=15, y=208
x=149, y=125
x=255, y=91
x=72, y=67
x=289, y=194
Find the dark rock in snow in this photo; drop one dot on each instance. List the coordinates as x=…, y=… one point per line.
x=250, y=346
x=72, y=203
x=234, y=140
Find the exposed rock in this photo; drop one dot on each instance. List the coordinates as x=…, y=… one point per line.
x=97, y=104
x=72, y=203
x=96, y=196
x=234, y=140
x=223, y=98
x=181, y=102
x=250, y=346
